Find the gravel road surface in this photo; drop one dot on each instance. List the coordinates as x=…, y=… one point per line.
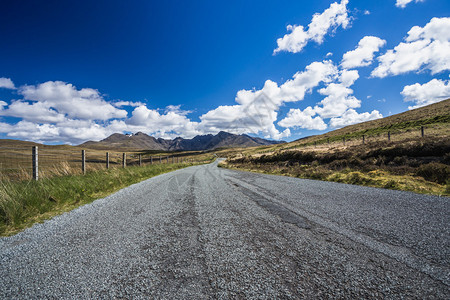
x=205, y=232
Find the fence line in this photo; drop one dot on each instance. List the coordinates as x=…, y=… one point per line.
x=362, y=138
x=40, y=162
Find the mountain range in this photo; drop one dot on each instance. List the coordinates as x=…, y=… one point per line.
x=143, y=141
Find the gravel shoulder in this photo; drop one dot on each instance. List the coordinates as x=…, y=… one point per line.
x=205, y=232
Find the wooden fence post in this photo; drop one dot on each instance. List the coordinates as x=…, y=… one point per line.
x=151, y=160
x=364, y=139
x=107, y=160
x=160, y=160
x=124, y=160
x=389, y=136
x=83, y=161
x=35, y=163
x=140, y=160
x=421, y=131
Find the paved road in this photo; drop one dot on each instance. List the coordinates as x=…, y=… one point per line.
x=206, y=232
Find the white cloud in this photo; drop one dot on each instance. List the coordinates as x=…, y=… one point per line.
x=403, y=3
x=127, y=103
x=37, y=112
x=256, y=110
x=339, y=96
x=150, y=120
x=351, y=117
x=86, y=104
x=425, y=47
x=6, y=83
x=167, y=125
x=363, y=54
x=348, y=77
x=338, y=106
x=177, y=109
x=333, y=17
x=367, y=12
x=35, y=132
x=303, y=119
x=338, y=99
x=5, y=127
x=253, y=117
x=428, y=93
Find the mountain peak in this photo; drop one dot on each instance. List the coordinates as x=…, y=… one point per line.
x=224, y=133
x=143, y=141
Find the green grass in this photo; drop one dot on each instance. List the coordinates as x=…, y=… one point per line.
x=27, y=202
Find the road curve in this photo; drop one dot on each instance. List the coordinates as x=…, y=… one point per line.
x=205, y=232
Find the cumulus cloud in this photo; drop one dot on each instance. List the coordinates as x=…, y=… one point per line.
x=403, y=3
x=428, y=93
x=363, y=54
x=351, y=117
x=330, y=19
x=37, y=112
x=339, y=96
x=37, y=132
x=256, y=110
x=425, y=47
x=303, y=119
x=86, y=103
x=255, y=116
x=338, y=106
x=144, y=119
x=338, y=99
x=6, y=83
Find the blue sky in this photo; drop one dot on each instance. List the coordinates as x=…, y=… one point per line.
x=72, y=71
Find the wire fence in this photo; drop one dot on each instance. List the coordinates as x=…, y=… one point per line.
x=327, y=143
x=24, y=163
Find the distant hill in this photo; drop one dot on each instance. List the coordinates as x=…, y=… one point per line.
x=143, y=141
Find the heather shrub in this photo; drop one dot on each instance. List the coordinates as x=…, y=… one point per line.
x=436, y=172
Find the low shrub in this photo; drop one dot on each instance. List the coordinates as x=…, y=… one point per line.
x=435, y=172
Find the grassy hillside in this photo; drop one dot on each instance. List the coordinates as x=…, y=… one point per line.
x=393, y=155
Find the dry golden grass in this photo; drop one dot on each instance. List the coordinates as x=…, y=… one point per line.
x=16, y=159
